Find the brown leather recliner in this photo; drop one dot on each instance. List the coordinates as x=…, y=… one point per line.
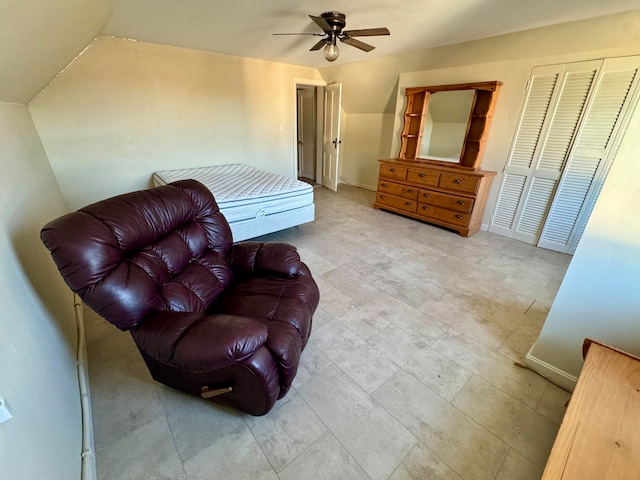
x=221, y=320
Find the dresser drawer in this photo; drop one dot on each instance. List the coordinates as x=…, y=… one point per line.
x=396, y=202
x=422, y=177
x=449, y=216
x=397, y=189
x=393, y=172
x=445, y=200
x=460, y=182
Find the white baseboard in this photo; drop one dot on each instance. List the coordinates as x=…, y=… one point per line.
x=373, y=188
x=551, y=373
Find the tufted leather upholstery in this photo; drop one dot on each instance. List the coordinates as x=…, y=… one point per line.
x=203, y=312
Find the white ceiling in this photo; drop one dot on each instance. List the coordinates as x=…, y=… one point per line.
x=40, y=37
x=244, y=27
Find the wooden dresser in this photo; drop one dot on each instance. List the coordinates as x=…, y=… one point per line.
x=451, y=197
x=599, y=438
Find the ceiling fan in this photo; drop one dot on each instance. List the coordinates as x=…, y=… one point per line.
x=332, y=24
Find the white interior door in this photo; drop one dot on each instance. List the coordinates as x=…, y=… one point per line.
x=592, y=154
x=331, y=135
x=307, y=133
x=562, y=150
x=556, y=97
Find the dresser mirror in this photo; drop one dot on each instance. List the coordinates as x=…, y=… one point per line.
x=448, y=124
x=445, y=125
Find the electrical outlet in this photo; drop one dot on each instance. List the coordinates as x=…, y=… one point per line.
x=5, y=414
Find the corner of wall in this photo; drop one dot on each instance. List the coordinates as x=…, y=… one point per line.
x=549, y=372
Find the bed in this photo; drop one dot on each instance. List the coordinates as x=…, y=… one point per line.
x=254, y=202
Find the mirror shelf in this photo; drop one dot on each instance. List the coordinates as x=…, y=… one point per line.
x=458, y=136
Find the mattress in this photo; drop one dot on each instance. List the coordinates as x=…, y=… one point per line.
x=253, y=201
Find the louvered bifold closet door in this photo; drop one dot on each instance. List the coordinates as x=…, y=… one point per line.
x=554, y=105
x=590, y=158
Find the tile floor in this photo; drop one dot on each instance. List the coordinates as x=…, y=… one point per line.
x=408, y=374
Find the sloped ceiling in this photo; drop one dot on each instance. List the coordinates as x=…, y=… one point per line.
x=40, y=37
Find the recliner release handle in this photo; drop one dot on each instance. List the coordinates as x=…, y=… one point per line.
x=207, y=393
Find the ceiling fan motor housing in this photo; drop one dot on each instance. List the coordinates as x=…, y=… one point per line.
x=336, y=20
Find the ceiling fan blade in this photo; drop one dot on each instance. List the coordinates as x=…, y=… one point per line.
x=319, y=45
x=322, y=23
x=368, y=32
x=314, y=34
x=357, y=43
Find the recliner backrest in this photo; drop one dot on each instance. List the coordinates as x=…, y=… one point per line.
x=158, y=249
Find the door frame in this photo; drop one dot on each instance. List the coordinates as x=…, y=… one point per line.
x=319, y=84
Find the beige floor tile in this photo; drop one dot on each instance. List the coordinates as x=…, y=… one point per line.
x=496, y=291
x=516, y=467
x=365, y=365
x=104, y=340
x=520, y=383
x=519, y=342
x=368, y=432
x=458, y=311
x=145, y=453
x=195, y=422
x=415, y=321
x=123, y=397
x=438, y=372
x=316, y=263
x=312, y=362
x=553, y=403
x=326, y=459
x=364, y=322
x=321, y=317
x=335, y=337
x=234, y=455
x=470, y=450
x=422, y=464
x=350, y=284
x=286, y=431
x=527, y=431
x=332, y=300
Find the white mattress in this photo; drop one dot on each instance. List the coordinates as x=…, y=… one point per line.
x=253, y=201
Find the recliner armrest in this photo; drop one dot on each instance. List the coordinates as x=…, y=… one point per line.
x=197, y=342
x=264, y=257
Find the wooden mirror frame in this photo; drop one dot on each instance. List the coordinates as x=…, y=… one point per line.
x=480, y=116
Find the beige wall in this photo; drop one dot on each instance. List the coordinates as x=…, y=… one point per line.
x=365, y=141
x=600, y=295
x=37, y=328
x=125, y=109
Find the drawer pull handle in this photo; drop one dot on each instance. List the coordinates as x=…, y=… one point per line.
x=426, y=195
x=458, y=181
x=424, y=207
x=392, y=170
x=408, y=204
x=459, y=216
x=460, y=202
x=409, y=191
x=422, y=175
x=382, y=196
x=384, y=185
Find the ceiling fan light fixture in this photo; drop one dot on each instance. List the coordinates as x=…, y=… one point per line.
x=331, y=52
